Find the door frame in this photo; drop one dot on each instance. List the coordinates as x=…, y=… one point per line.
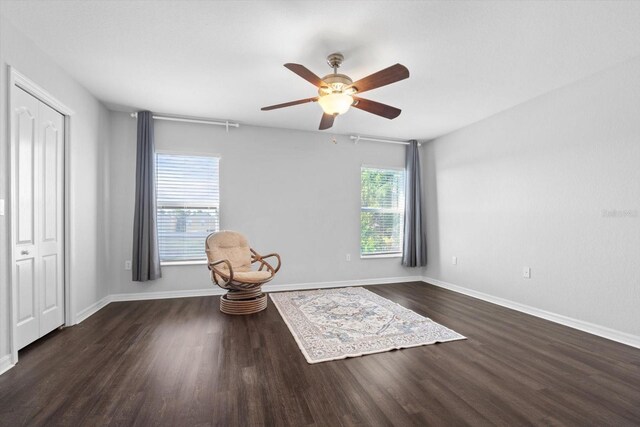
x=21, y=81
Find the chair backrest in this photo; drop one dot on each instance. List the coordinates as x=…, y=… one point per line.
x=232, y=246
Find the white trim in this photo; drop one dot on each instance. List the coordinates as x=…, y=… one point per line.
x=70, y=313
x=21, y=81
x=13, y=304
x=5, y=363
x=141, y=296
x=178, y=263
x=374, y=256
x=341, y=284
x=188, y=153
x=382, y=168
x=26, y=84
x=601, y=331
x=92, y=309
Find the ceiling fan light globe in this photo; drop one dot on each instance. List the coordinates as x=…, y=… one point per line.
x=335, y=103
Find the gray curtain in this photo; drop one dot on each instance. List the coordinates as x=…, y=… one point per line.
x=415, y=242
x=146, y=257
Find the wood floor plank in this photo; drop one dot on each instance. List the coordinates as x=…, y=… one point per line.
x=182, y=362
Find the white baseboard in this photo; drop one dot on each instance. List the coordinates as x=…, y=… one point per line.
x=341, y=284
x=601, y=331
x=141, y=296
x=214, y=290
x=92, y=309
x=5, y=363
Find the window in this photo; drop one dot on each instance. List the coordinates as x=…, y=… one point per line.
x=188, y=203
x=382, y=211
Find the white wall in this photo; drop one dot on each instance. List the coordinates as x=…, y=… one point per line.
x=89, y=135
x=290, y=192
x=530, y=187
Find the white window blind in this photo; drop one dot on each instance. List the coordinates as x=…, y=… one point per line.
x=188, y=203
x=382, y=211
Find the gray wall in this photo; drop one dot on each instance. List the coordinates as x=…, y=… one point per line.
x=291, y=192
x=89, y=135
x=537, y=186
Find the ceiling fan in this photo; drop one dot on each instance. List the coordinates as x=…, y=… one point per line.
x=337, y=92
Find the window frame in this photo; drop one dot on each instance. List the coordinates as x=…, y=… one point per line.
x=381, y=255
x=204, y=261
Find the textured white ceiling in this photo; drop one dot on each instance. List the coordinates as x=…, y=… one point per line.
x=468, y=60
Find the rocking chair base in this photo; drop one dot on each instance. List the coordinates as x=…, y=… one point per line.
x=243, y=302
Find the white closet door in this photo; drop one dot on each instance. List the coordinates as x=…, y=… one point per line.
x=25, y=140
x=37, y=138
x=49, y=213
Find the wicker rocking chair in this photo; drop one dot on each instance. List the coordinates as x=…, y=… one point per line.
x=230, y=260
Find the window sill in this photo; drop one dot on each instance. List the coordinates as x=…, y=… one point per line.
x=172, y=263
x=381, y=256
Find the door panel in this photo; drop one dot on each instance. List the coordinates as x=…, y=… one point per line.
x=50, y=281
x=25, y=142
x=27, y=309
x=28, y=325
x=50, y=176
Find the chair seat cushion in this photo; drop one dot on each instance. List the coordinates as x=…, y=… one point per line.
x=251, y=276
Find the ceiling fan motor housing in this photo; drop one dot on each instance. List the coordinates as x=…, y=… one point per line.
x=336, y=83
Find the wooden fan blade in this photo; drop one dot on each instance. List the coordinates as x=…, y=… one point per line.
x=377, y=108
x=327, y=121
x=384, y=77
x=306, y=74
x=289, y=104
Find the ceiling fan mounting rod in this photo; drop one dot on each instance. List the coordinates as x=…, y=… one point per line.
x=335, y=60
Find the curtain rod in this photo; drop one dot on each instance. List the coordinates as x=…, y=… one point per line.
x=358, y=138
x=226, y=123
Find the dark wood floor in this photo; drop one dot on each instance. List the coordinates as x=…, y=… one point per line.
x=181, y=362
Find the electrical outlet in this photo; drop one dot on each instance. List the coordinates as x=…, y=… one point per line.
x=454, y=260
x=526, y=273
x=127, y=265
x=348, y=257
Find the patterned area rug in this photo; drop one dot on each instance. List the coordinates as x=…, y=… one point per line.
x=331, y=324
